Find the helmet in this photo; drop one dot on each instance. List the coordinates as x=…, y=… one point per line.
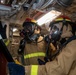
x=60, y=28
x=30, y=20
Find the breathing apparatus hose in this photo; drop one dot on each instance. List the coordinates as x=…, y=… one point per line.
x=47, y=49
x=35, y=40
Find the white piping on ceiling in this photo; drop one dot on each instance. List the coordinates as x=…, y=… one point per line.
x=47, y=4
x=6, y=8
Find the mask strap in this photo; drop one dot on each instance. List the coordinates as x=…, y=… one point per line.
x=64, y=23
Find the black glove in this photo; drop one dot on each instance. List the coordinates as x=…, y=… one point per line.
x=46, y=39
x=3, y=30
x=15, y=69
x=21, y=46
x=41, y=62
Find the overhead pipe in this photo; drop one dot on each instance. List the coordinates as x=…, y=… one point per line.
x=38, y=4
x=9, y=2
x=5, y=8
x=32, y=2
x=65, y=3
x=47, y=4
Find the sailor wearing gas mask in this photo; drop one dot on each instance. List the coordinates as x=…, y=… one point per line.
x=32, y=45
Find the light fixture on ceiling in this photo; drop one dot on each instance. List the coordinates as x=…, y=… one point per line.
x=48, y=17
x=2, y=1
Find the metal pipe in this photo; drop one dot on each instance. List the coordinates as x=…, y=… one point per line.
x=47, y=4
x=64, y=3
x=6, y=8
x=38, y=4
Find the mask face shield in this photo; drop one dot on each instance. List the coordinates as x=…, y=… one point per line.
x=55, y=32
x=30, y=31
x=29, y=28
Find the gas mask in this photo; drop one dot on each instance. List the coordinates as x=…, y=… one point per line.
x=55, y=32
x=60, y=29
x=28, y=31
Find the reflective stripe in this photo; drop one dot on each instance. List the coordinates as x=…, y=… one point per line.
x=7, y=42
x=34, y=69
x=60, y=19
x=34, y=55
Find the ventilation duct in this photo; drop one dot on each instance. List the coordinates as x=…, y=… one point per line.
x=64, y=3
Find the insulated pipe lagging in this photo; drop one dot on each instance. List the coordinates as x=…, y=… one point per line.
x=39, y=3
x=47, y=4
x=64, y=3
x=4, y=7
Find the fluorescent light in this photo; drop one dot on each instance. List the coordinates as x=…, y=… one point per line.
x=48, y=17
x=14, y=29
x=2, y=1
